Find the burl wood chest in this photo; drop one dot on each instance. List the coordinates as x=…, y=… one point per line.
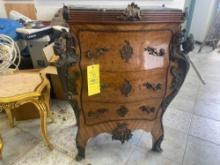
x=143, y=62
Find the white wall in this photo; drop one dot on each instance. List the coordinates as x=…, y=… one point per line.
x=2, y=9
x=46, y=9
x=202, y=18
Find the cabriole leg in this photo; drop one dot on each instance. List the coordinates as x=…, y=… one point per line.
x=10, y=116
x=43, y=122
x=81, y=141
x=157, y=135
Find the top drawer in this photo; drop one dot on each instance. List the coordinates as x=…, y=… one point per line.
x=125, y=50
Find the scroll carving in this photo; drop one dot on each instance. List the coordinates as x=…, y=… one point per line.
x=121, y=132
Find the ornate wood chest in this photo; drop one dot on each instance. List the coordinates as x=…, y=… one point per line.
x=143, y=62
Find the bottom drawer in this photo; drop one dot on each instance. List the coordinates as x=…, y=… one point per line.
x=96, y=112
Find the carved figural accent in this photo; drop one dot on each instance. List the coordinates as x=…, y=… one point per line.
x=122, y=111
x=147, y=109
x=64, y=47
x=97, y=113
x=179, y=69
x=154, y=87
x=65, y=12
x=99, y=52
x=155, y=52
x=126, y=51
x=180, y=58
x=131, y=13
x=126, y=88
x=121, y=132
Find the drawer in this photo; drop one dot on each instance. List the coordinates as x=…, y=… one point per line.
x=129, y=86
x=127, y=51
x=95, y=112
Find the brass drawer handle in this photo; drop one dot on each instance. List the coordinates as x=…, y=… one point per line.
x=154, y=87
x=154, y=52
x=126, y=51
x=126, y=88
x=99, y=52
x=97, y=113
x=147, y=109
x=122, y=111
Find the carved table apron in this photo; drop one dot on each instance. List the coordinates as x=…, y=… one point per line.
x=142, y=68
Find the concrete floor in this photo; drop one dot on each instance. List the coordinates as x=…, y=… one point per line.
x=192, y=131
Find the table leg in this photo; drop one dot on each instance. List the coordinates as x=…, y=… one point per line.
x=43, y=122
x=10, y=116
x=46, y=98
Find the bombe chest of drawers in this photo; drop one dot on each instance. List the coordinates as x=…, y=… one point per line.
x=143, y=62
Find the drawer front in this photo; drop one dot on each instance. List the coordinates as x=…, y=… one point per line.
x=129, y=86
x=95, y=112
x=127, y=51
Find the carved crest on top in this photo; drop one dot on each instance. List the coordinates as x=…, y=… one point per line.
x=131, y=13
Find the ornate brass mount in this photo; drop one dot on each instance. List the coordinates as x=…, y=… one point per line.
x=131, y=13
x=97, y=113
x=126, y=51
x=147, y=109
x=99, y=52
x=121, y=132
x=181, y=45
x=64, y=47
x=126, y=88
x=154, y=87
x=154, y=51
x=122, y=111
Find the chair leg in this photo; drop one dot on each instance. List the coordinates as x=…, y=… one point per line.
x=10, y=116
x=43, y=123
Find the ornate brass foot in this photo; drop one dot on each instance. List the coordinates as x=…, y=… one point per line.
x=157, y=134
x=157, y=145
x=81, y=153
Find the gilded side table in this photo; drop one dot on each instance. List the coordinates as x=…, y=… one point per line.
x=21, y=88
